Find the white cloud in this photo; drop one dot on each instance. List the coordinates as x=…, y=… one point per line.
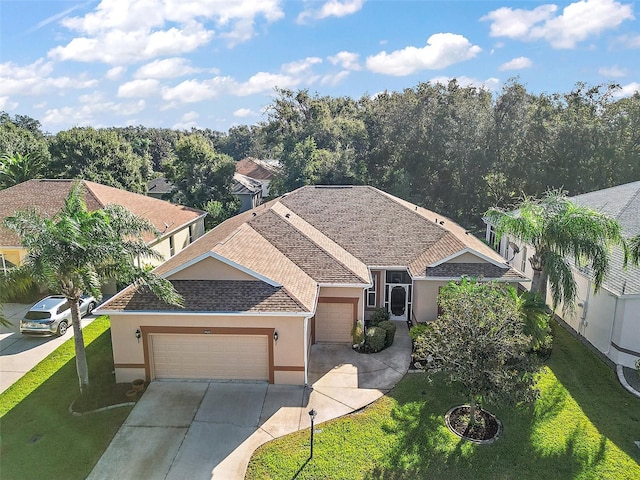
x=166, y=68
x=517, y=63
x=442, y=50
x=331, y=8
x=86, y=113
x=115, y=72
x=139, y=88
x=126, y=31
x=629, y=41
x=577, y=22
x=189, y=116
x=491, y=83
x=335, y=78
x=7, y=104
x=191, y=91
x=627, y=90
x=347, y=60
x=244, y=113
x=612, y=72
x=263, y=82
x=36, y=79
x=300, y=67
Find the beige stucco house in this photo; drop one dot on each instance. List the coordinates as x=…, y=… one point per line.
x=261, y=288
x=609, y=319
x=179, y=226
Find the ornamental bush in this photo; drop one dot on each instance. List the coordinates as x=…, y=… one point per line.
x=390, y=330
x=375, y=339
x=379, y=315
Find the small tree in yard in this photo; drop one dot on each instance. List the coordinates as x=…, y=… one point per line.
x=75, y=251
x=478, y=341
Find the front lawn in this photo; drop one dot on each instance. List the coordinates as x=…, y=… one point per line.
x=582, y=427
x=40, y=438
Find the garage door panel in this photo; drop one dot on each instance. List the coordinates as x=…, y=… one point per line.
x=334, y=322
x=223, y=357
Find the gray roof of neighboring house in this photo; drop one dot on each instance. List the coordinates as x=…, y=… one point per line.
x=159, y=186
x=623, y=204
x=211, y=296
x=243, y=185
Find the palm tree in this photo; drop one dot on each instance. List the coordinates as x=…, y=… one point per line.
x=634, y=249
x=76, y=251
x=558, y=229
x=17, y=168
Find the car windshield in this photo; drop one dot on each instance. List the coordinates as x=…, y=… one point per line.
x=37, y=315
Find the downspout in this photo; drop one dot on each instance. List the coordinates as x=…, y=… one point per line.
x=306, y=349
x=613, y=324
x=585, y=312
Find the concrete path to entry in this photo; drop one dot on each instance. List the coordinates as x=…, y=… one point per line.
x=20, y=353
x=205, y=430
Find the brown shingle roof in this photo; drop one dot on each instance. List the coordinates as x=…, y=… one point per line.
x=474, y=270
x=255, y=169
x=210, y=296
x=316, y=262
x=47, y=197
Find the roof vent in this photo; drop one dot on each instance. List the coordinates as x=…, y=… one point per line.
x=287, y=215
x=254, y=214
x=441, y=222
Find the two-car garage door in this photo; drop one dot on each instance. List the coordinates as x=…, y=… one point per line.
x=218, y=357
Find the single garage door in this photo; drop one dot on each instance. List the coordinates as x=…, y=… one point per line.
x=216, y=357
x=334, y=322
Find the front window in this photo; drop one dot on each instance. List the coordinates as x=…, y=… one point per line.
x=371, y=292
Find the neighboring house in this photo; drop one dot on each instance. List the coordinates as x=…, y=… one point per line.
x=179, y=226
x=261, y=170
x=248, y=191
x=610, y=319
x=262, y=287
x=159, y=188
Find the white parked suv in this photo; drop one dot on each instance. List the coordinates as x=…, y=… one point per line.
x=52, y=315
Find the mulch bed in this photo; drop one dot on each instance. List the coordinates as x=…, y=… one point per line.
x=486, y=426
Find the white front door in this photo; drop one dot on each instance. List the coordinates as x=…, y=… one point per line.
x=398, y=301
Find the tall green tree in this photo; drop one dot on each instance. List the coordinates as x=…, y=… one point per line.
x=560, y=233
x=201, y=175
x=478, y=341
x=102, y=156
x=76, y=251
x=21, y=135
x=17, y=168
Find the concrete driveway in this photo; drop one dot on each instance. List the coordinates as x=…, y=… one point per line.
x=20, y=353
x=204, y=430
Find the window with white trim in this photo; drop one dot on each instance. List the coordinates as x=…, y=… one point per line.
x=371, y=292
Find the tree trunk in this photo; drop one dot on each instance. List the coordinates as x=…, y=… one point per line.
x=539, y=284
x=473, y=411
x=78, y=340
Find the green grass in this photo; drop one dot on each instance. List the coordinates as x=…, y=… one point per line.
x=582, y=427
x=40, y=438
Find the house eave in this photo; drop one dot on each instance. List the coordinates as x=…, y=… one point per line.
x=484, y=279
x=166, y=313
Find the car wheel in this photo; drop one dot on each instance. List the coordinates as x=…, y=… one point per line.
x=90, y=308
x=62, y=328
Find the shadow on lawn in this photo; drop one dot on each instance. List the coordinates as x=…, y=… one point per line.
x=427, y=449
x=594, y=386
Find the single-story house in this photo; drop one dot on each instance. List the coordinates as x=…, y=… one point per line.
x=247, y=190
x=610, y=319
x=179, y=226
x=262, y=171
x=262, y=287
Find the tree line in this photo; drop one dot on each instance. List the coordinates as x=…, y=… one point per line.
x=453, y=149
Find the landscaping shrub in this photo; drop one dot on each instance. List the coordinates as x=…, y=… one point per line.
x=374, y=339
x=418, y=330
x=379, y=315
x=357, y=334
x=390, y=329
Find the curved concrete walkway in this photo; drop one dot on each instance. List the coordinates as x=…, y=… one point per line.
x=204, y=430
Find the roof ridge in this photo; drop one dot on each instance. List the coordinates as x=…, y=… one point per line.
x=631, y=199
x=284, y=217
x=93, y=194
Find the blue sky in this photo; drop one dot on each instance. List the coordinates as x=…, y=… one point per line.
x=215, y=64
